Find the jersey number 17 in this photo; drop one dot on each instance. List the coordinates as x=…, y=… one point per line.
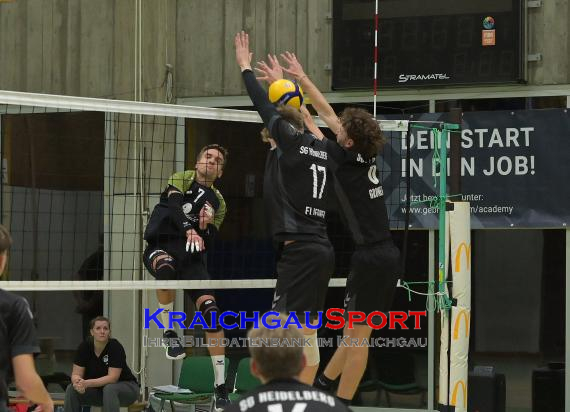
x=317, y=170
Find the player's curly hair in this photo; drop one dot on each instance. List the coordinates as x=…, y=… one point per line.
x=289, y=114
x=364, y=131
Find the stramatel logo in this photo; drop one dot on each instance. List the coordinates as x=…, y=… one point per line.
x=404, y=78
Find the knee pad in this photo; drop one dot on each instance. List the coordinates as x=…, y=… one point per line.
x=163, y=265
x=311, y=350
x=208, y=307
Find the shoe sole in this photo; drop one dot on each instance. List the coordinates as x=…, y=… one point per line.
x=176, y=357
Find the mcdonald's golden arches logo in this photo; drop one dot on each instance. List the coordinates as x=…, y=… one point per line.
x=463, y=392
x=463, y=246
x=465, y=315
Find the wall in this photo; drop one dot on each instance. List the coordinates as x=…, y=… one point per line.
x=507, y=314
x=206, y=57
x=548, y=34
x=84, y=47
x=87, y=48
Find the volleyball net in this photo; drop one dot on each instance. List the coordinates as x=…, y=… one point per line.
x=80, y=177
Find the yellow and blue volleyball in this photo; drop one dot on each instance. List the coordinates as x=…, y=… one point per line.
x=285, y=91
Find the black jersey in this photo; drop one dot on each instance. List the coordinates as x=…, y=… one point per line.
x=17, y=336
x=295, y=183
x=113, y=356
x=360, y=195
x=287, y=395
x=168, y=222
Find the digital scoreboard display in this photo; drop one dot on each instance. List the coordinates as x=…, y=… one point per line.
x=427, y=42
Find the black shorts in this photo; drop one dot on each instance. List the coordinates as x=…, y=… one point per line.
x=374, y=274
x=303, y=273
x=188, y=266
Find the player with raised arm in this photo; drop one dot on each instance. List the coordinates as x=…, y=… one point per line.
x=180, y=228
x=375, y=261
x=295, y=192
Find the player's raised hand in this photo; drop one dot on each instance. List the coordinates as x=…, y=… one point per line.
x=243, y=55
x=269, y=72
x=294, y=68
x=305, y=112
x=194, y=242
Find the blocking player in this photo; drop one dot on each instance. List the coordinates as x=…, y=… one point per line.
x=295, y=191
x=180, y=228
x=375, y=262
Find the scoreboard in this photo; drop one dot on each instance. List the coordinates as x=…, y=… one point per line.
x=428, y=42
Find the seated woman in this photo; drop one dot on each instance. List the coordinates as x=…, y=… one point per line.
x=100, y=375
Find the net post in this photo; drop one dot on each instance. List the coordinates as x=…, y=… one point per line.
x=441, y=298
x=442, y=206
x=455, y=115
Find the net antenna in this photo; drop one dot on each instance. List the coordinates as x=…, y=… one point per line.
x=376, y=19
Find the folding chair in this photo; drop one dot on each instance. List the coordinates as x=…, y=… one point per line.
x=244, y=380
x=197, y=374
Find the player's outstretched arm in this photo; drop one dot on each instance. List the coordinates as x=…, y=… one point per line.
x=310, y=123
x=323, y=108
x=243, y=55
x=256, y=93
x=282, y=132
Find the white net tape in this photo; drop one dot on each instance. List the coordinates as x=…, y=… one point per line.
x=30, y=285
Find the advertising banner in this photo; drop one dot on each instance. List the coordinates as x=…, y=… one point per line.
x=515, y=169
